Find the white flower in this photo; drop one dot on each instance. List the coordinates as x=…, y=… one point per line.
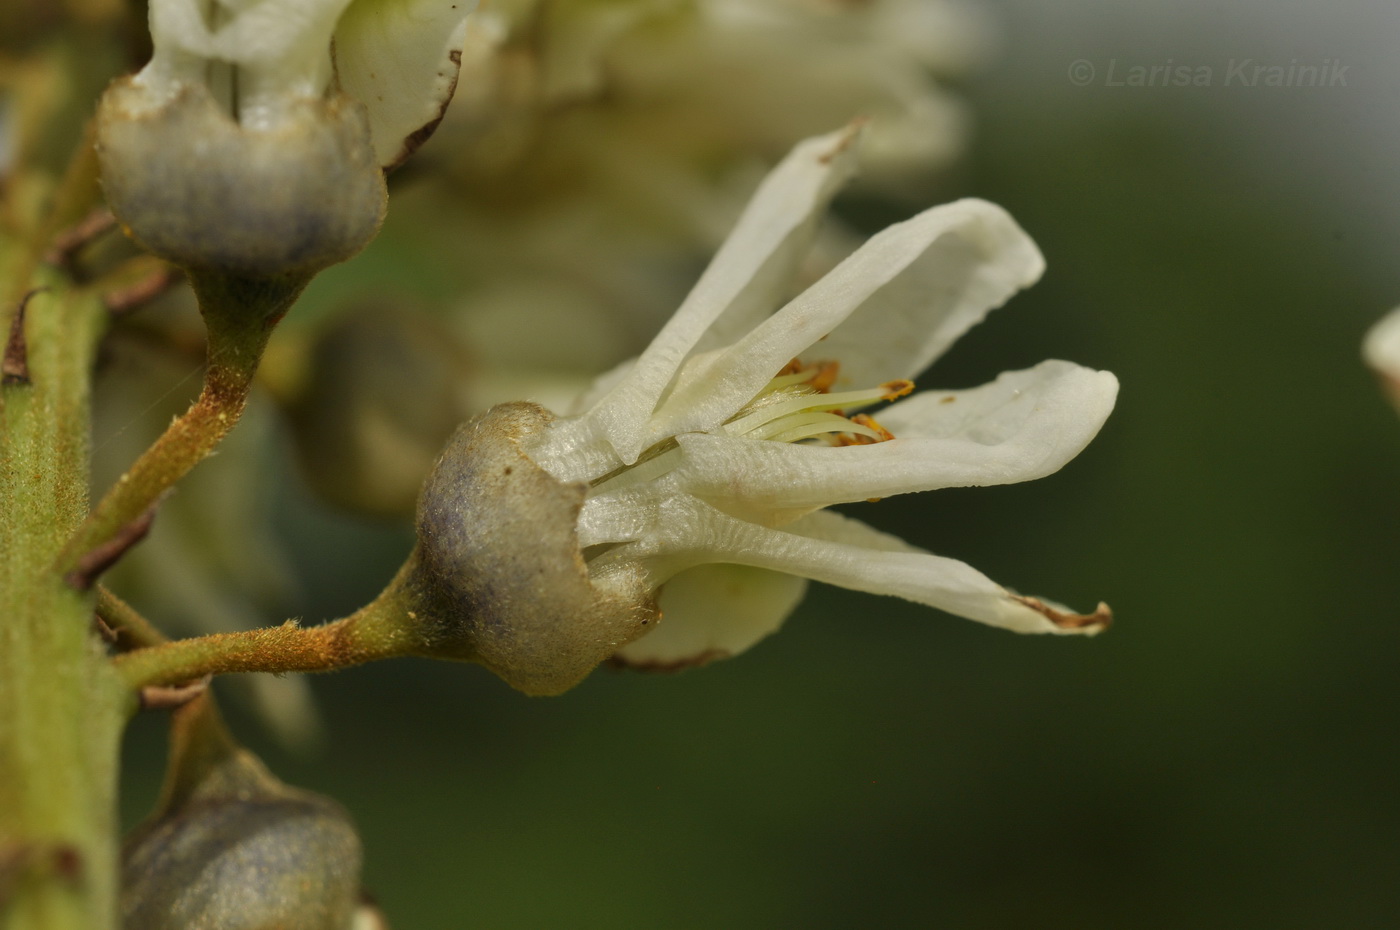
x=698, y=474
x=696, y=79
x=721, y=445
x=1381, y=351
x=261, y=58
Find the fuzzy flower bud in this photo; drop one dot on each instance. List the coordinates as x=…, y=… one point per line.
x=382, y=392
x=233, y=848
x=199, y=190
x=235, y=150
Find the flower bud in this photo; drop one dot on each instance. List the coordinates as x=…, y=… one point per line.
x=384, y=391
x=233, y=848
x=201, y=190
x=499, y=558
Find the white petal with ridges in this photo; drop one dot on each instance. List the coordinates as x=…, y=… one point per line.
x=181, y=45
x=883, y=313
x=714, y=612
x=282, y=51
x=280, y=48
x=864, y=559
x=1022, y=426
x=977, y=259
x=830, y=548
x=741, y=285
x=400, y=58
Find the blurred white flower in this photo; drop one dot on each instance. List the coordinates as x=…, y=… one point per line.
x=1381, y=351
x=633, y=85
x=721, y=445
x=601, y=151
x=261, y=58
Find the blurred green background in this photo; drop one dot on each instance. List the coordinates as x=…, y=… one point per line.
x=1224, y=757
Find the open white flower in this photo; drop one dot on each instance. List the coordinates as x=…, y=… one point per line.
x=725, y=440
x=704, y=466
x=1381, y=351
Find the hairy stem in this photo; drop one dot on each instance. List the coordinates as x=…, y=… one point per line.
x=61, y=707
x=382, y=629
x=132, y=630
x=239, y=315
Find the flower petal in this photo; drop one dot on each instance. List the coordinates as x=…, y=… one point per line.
x=400, y=58
x=906, y=571
x=282, y=49
x=885, y=312
x=1382, y=352
x=740, y=286
x=1022, y=426
x=180, y=43
x=713, y=612
x=828, y=547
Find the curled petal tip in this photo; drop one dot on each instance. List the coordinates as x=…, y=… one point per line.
x=1069, y=622
x=844, y=139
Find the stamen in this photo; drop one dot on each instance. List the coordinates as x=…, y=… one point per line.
x=818, y=377
x=826, y=376
x=897, y=389
x=788, y=406
x=834, y=427
x=796, y=405
x=870, y=432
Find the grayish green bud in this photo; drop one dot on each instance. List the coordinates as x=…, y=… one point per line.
x=199, y=189
x=242, y=851
x=384, y=390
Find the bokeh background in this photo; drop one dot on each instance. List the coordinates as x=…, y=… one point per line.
x=1226, y=756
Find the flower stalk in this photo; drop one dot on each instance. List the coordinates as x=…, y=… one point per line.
x=240, y=315
x=127, y=628
x=385, y=628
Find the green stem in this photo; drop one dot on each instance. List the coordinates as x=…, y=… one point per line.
x=239, y=315
x=61, y=706
x=385, y=628
x=133, y=630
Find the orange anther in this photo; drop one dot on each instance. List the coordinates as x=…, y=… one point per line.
x=894, y=389
x=825, y=376
x=869, y=422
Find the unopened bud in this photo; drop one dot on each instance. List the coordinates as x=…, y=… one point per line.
x=207, y=193
x=384, y=391
x=233, y=848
